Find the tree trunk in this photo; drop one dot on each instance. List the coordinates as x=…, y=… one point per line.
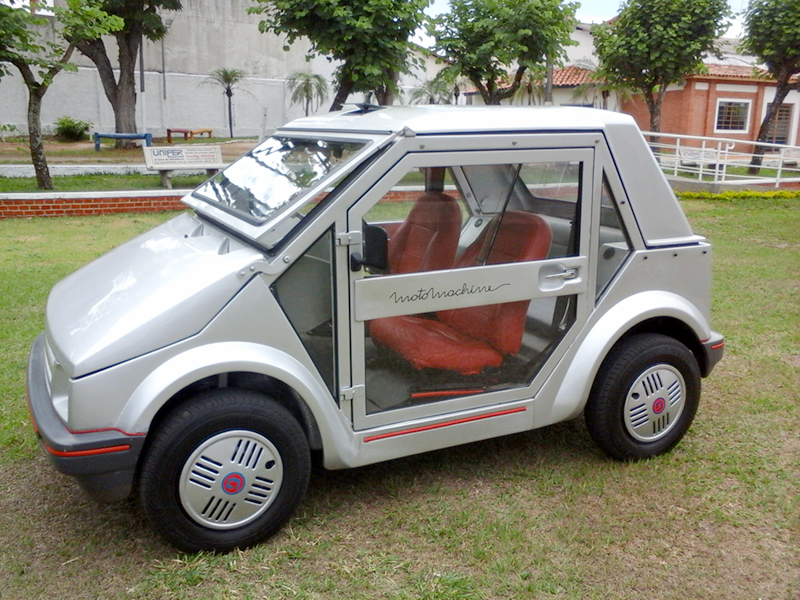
x=38, y=158
x=345, y=87
x=95, y=51
x=487, y=92
x=229, y=94
x=654, y=103
x=36, y=92
x=492, y=96
x=125, y=104
x=385, y=95
x=781, y=92
x=121, y=94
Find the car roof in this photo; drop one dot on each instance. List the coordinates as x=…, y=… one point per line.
x=657, y=211
x=444, y=119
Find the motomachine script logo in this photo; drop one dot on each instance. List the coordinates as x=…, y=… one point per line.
x=433, y=294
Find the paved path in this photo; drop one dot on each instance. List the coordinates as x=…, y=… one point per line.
x=72, y=169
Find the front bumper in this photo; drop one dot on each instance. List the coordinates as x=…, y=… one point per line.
x=713, y=349
x=103, y=461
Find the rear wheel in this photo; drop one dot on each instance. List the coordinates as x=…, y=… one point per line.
x=644, y=397
x=224, y=470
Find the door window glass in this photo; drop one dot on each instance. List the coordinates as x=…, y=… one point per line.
x=456, y=217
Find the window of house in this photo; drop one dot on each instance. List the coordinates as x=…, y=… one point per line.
x=732, y=115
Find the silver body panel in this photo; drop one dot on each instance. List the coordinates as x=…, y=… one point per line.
x=195, y=299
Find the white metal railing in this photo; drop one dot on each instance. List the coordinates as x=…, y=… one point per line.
x=724, y=160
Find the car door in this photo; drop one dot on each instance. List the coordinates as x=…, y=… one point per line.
x=487, y=281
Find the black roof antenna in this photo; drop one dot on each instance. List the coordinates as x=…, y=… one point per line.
x=365, y=107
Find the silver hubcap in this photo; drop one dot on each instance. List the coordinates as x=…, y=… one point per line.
x=231, y=479
x=654, y=403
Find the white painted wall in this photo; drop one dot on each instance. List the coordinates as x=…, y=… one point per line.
x=206, y=35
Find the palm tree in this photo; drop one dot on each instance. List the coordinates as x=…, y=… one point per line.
x=531, y=89
x=438, y=91
x=591, y=89
x=227, y=78
x=307, y=89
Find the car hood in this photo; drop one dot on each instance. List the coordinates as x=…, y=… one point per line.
x=157, y=289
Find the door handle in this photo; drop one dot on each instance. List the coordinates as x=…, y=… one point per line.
x=570, y=273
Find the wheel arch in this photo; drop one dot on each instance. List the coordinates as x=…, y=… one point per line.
x=677, y=329
x=647, y=312
x=266, y=385
x=247, y=366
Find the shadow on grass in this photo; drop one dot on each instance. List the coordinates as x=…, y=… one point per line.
x=47, y=523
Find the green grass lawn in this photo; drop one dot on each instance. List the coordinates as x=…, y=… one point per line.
x=99, y=183
x=536, y=515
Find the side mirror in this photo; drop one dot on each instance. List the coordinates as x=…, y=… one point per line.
x=376, y=251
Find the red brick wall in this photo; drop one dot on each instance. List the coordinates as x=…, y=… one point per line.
x=28, y=205
x=673, y=112
x=693, y=111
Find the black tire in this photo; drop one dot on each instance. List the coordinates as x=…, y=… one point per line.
x=644, y=397
x=224, y=470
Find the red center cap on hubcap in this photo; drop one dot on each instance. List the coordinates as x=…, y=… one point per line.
x=233, y=483
x=659, y=405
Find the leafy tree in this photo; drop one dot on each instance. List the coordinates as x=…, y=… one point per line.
x=308, y=89
x=38, y=61
x=772, y=33
x=654, y=43
x=227, y=78
x=141, y=20
x=369, y=37
x=484, y=39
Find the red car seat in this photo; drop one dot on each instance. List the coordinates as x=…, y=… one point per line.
x=468, y=340
x=428, y=238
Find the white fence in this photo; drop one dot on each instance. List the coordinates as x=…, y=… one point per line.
x=724, y=160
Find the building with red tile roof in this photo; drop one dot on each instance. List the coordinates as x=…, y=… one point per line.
x=725, y=100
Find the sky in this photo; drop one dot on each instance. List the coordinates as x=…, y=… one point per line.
x=594, y=11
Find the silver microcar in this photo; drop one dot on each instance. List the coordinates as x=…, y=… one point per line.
x=372, y=284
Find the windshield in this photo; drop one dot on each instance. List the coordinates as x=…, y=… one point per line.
x=274, y=175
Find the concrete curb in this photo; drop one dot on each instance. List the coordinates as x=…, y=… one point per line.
x=60, y=170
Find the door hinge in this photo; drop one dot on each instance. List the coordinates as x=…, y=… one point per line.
x=351, y=238
x=348, y=394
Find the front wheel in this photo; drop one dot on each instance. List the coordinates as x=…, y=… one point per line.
x=644, y=397
x=224, y=470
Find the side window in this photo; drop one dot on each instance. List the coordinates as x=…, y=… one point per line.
x=614, y=244
x=466, y=216
x=305, y=292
